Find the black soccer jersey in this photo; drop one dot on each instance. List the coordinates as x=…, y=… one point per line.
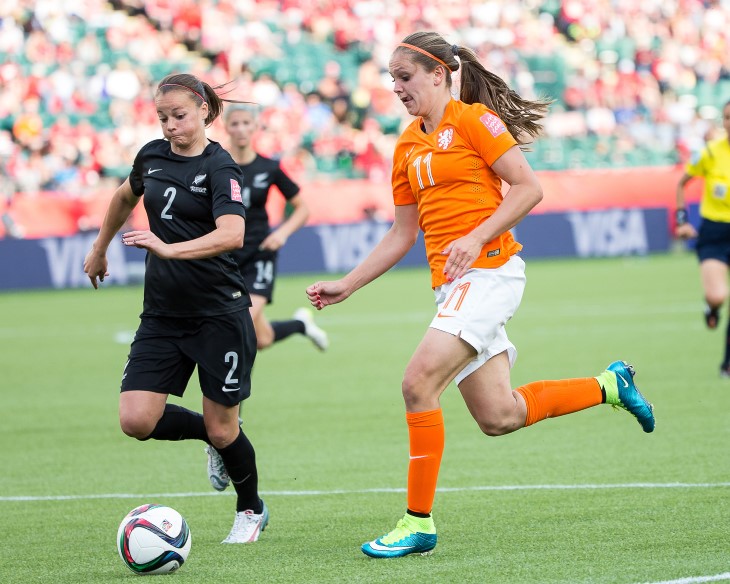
x=258, y=176
x=183, y=196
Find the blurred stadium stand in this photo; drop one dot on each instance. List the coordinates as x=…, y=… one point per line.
x=635, y=85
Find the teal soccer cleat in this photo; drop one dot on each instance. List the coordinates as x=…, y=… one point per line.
x=617, y=382
x=412, y=535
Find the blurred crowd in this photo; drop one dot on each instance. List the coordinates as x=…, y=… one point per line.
x=638, y=82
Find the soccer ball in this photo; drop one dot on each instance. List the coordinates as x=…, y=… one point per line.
x=153, y=539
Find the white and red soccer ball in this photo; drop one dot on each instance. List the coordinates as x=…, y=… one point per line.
x=153, y=539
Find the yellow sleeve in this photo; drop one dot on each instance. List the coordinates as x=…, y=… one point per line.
x=697, y=165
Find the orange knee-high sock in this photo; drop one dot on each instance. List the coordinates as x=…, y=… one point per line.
x=550, y=399
x=426, y=439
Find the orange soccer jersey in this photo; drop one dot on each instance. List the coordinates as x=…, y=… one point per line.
x=447, y=174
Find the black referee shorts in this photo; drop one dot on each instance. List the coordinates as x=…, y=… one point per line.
x=713, y=241
x=165, y=352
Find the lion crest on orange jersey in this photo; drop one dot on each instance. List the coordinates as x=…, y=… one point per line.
x=445, y=138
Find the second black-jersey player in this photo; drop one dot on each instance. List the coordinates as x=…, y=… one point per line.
x=259, y=176
x=257, y=260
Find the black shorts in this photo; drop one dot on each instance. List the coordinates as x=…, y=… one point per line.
x=259, y=273
x=713, y=241
x=165, y=351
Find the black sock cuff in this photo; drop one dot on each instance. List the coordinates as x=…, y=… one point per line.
x=239, y=458
x=233, y=446
x=286, y=328
x=179, y=423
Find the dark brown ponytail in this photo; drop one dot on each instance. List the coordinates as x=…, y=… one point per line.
x=200, y=91
x=478, y=85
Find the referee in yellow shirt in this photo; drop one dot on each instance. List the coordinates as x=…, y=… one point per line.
x=713, y=241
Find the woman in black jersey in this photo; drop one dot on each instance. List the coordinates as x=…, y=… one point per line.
x=257, y=258
x=196, y=307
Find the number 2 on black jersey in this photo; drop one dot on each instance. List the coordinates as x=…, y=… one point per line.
x=231, y=357
x=171, y=192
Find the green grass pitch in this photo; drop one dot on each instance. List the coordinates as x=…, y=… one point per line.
x=585, y=498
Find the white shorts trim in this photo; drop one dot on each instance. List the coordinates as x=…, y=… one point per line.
x=477, y=306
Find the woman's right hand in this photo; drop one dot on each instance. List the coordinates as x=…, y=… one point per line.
x=95, y=266
x=323, y=294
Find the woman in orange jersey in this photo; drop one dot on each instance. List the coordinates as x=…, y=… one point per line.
x=448, y=168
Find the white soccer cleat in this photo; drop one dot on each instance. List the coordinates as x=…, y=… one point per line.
x=217, y=473
x=311, y=330
x=247, y=526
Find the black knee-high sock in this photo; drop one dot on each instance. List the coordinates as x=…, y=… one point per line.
x=178, y=423
x=726, y=360
x=285, y=328
x=240, y=460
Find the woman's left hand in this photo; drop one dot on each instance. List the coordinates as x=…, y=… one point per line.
x=273, y=241
x=149, y=241
x=462, y=253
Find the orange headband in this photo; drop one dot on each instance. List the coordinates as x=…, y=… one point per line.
x=420, y=50
x=185, y=86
